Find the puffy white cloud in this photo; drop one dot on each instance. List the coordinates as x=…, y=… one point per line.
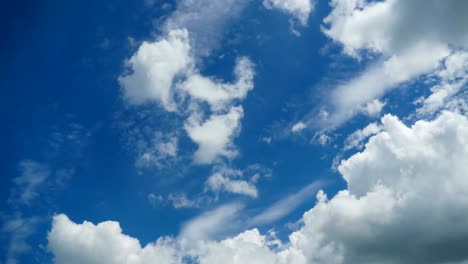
x=411, y=37
x=103, y=243
x=217, y=93
x=299, y=9
x=154, y=67
x=214, y=136
x=391, y=26
x=406, y=200
x=298, y=127
x=247, y=247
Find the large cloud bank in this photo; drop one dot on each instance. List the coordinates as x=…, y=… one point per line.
x=406, y=202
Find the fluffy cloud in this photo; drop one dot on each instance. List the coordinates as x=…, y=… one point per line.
x=406, y=202
x=154, y=68
x=163, y=70
x=409, y=45
x=214, y=136
x=103, y=243
x=299, y=9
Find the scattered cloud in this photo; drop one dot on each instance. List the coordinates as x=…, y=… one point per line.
x=33, y=176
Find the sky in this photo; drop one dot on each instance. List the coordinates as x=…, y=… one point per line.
x=234, y=131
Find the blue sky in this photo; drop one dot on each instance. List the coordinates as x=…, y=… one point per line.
x=275, y=131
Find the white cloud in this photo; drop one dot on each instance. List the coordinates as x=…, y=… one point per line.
x=247, y=247
x=355, y=140
x=219, y=182
x=103, y=243
x=410, y=45
x=298, y=127
x=299, y=9
x=165, y=71
x=214, y=136
x=154, y=68
x=217, y=94
x=404, y=202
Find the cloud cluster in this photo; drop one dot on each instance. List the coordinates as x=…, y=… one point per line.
x=406, y=202
x=411, y=38
x=165, y=72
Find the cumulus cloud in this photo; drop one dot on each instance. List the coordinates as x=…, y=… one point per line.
x=299, y=9
x=103, y=243
x=165, y=71
x=408, y=45
x=214, y=136
x=406, y=202
x=407, y=184
x=154, y=66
